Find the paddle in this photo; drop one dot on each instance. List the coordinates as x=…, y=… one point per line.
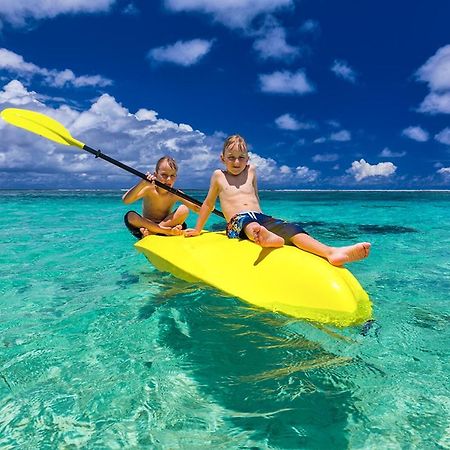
x=51, y=129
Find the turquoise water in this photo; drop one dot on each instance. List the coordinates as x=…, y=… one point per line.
x=99, y=350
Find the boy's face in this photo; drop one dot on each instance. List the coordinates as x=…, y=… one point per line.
x=166, y=174
x=235, y=160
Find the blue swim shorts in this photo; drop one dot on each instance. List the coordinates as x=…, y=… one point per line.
x=237, y=224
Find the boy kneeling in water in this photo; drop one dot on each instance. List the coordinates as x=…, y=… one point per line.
x=157, y=217
x=237, y=190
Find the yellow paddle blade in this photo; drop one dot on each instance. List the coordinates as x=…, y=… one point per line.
x=40, y=124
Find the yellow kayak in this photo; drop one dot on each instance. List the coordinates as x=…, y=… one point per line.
x=285, y=280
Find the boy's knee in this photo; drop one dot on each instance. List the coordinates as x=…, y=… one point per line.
x=133, y=217
x=183, y=211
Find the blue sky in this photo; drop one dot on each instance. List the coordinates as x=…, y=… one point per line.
x=328, y=94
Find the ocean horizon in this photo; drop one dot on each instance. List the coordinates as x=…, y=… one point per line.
x=206, y=189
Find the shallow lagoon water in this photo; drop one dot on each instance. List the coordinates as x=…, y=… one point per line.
x=100, y=350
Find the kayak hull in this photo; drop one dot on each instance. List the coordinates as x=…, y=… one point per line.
x=285, y=280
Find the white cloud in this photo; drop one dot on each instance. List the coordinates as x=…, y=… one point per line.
x=285, y=170
x=271, y=43
x=231, y=13
x=436, y=73
x=342, y=70
x=416, y=133
x=325, y=157
x=306, y=174
x=387, y=153
x=341, y=136
x=17, y=12
x=285, y=82
x=362, y=169
x=443, y=136
x=270, y=172
x=183, y=53
x=435, y=103
x=287, y=122
x=445, y=171
x=15, y=94
x=137, y=139
x=14, y=63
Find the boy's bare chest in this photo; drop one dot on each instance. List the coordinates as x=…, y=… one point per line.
x=235, y=189
x=155, y=204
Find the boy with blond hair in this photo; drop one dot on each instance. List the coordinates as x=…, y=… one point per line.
x=237, y=190
x=157, y=217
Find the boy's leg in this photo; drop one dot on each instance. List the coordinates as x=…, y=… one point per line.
x=177, y=218
x=147, y=226
x=262, y=236
x=335, y=255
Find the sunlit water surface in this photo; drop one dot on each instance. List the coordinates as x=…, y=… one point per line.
x=100, y=350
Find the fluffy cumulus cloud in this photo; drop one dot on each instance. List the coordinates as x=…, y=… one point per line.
x=16, y=64
x=137, y=139
x=416, y=133
x=285, y=82
x=436, y=73
x=273, y=174
x=443, y=136
x=342, y=70
x=231, y=13
x=269, y=170
x=288, y=122
x=305, y=174
x=18, y=12
x=362, y=169
x=183, y=53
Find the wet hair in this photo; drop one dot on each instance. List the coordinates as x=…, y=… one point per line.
x=170, y=161
x=233, y=141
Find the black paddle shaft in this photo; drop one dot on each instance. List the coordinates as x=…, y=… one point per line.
x=99, y=154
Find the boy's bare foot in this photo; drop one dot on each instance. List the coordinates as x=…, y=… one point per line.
x=343, y=255
x=172, y=231
x=265, y=238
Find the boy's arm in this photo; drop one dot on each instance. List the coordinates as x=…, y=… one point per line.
x=207, y=206
x=137, y=191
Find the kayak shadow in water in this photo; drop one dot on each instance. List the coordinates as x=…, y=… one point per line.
x=268, y=380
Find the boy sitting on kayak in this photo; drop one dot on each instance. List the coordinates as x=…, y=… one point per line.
x=157, y=217
x=237, y=190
